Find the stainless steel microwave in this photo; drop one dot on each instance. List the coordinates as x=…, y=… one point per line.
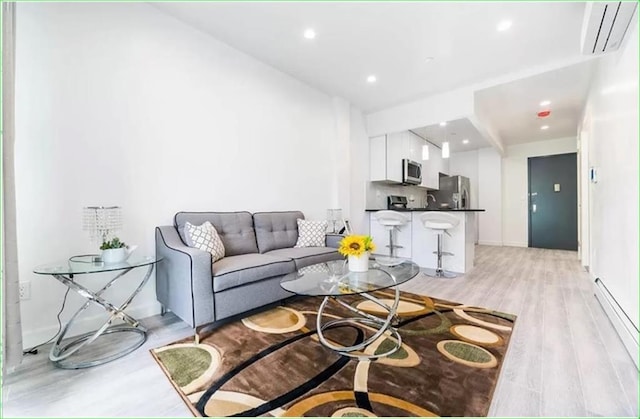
x=411, y=172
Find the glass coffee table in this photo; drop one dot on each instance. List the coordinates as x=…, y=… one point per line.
x=333, y=280
x=66, y=272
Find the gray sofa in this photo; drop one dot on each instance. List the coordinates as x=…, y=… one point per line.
x=258, y=253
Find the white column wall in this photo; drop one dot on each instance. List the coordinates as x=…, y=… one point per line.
x=490, y=197
x=359, y=173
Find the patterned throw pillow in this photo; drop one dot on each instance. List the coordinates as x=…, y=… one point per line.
x=311, y=233
x=204, y=237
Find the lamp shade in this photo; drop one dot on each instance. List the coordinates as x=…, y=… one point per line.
x=101, y=222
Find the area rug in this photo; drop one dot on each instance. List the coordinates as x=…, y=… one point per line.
x=272, y=364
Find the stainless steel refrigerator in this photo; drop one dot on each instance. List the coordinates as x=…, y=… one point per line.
x=454, y=184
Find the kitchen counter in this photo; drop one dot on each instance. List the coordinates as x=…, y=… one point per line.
x=429, y=209
x=419, y=244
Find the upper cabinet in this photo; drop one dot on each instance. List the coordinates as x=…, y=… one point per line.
x=431, y=167
x=385, y=154
x=387, y=151
x=378, y=158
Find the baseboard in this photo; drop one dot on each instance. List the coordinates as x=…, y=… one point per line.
x=489, y=243
x=31, y=338
x=623, y=326
x=515, y=244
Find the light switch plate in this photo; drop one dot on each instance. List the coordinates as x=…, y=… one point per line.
x=556, y=187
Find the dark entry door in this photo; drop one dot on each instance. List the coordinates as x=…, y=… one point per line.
x=553, y=202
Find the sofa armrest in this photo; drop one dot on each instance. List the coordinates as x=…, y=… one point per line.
x=184, y=278
x=333, y=240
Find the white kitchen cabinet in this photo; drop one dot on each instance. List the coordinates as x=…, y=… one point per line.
x=431, y=167
x=414, y=146
x=380, y=237
x=385, y=158
x=378, y=158
x=395, y=153
x=387, y=151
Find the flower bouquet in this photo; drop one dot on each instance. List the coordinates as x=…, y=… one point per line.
x=357, y=249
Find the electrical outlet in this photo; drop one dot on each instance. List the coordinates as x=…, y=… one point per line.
x=25, y=290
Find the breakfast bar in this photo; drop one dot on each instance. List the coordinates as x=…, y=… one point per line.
x=420, y=244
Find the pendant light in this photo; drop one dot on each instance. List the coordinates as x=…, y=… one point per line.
x=445, y=143
x=445, y=150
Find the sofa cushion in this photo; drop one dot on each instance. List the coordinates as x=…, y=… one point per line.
x=276, y=230
x=233, y=271
x=311, y=233
x=234, y=228
x=305, y=256
x=204, y=237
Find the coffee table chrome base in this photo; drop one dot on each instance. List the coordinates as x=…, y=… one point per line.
x=438, y=273
x=60, y=353
x=379, y=325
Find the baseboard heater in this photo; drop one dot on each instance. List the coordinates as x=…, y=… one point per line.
x=627, y=331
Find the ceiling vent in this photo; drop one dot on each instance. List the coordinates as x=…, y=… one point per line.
x=604, y=26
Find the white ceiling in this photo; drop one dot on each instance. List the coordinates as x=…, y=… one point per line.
x=392, y=40
x=512, y=107
x=454, y=132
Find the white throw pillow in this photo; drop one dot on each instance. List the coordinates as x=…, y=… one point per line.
x=204, y=237
x=311, y=233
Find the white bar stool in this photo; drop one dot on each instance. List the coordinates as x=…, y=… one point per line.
x=391, y=220
x=439, y=223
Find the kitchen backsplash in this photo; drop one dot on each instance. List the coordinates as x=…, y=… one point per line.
x=376, y=195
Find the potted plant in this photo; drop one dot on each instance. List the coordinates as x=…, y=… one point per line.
x=115, y=251
x=357, y=249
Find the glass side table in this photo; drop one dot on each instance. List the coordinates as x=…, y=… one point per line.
x=65, y=272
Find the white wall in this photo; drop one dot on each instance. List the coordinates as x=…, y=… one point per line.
x=611, y=128
x=120, y=104
x=490, y=197
x=359, y=173
x=515, y=228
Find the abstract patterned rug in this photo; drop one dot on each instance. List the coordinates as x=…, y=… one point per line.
x=272, y=364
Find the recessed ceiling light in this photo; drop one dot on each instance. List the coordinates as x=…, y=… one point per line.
x=443, y=123
x=544, y=127
x=309, y=33
x=372, y=79
x=465, y=141
x=545, y=103
x=429, y=59
x=504, y=25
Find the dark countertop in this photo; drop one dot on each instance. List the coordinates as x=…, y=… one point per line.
x=429, y=209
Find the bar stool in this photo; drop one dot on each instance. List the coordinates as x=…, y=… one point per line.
x=439, y=223
x=391, y=220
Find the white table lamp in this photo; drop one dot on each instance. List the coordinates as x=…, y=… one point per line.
x=101, y=222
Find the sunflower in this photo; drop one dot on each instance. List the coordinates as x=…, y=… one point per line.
x=356, y=245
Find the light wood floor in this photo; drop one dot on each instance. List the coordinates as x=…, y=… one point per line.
x=564, y=359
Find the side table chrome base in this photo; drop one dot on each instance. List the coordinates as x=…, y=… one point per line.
x=60, y=353
x=62, y=361
x=379, y=325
